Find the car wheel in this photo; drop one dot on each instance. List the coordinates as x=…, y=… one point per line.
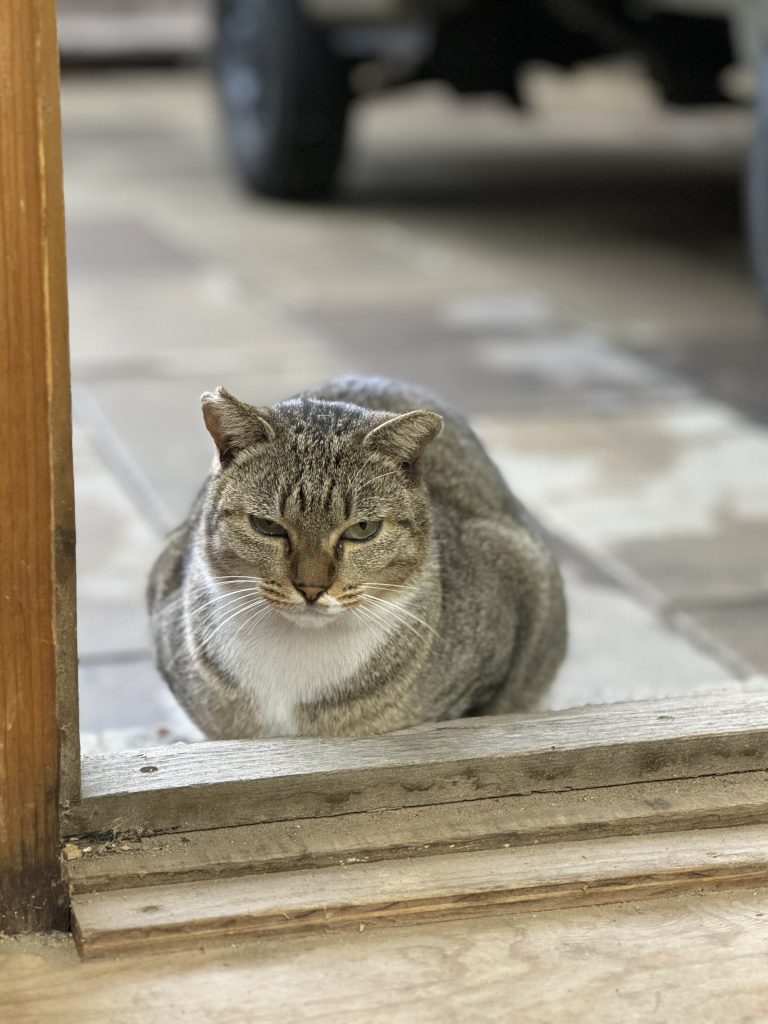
x=757, y=187
x=285, y=97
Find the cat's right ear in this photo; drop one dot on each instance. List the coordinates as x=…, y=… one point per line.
x=233, y=425
x=406, y=436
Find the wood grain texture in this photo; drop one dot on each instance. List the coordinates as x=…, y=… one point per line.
x=37, y=595
x=504, y=822
x=686, y=958
x=211, y=785
x=433, y=888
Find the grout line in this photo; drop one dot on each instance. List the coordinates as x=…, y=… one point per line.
x=121, y=657
x=99, y=431
x=720, y=599
x=664, y=608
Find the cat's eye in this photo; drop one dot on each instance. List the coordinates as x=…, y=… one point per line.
x=365, y=530
x=268, y=527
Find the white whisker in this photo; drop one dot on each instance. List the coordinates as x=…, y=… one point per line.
x=398, y=610
x=391, y=586
x=373, y=479
x=358, y=472
x=215, y=626
x=254, y=620
x=248, y=606
x=219, y=604
x=393, y=623
x=396, y=623
x=239, y=579
x=371, y=617
x=214, y=598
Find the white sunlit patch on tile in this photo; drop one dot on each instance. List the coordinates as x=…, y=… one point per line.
x=499, y=311
x=115, y=548
x=701, y=421
x=618, y=650
x=572, y=360
x=669, y=471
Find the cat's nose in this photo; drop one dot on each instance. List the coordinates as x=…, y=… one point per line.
x=310, y=593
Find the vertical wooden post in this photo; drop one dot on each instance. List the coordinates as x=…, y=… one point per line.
x=37, y=586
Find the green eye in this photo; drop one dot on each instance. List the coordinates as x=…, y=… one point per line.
x=365, y=530
x=268, y=527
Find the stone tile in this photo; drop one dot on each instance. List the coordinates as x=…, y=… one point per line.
x=159, y=422
x=177, y=99
x=743, y=626
x=109, y=30
x=124, y=247
x=139, y=126
x=734, y=372
x=461, y=232
x=319, y=256
x=181, y=324
x=626, y=221
x=184, y=188
x=618, y=650
x=491, y=353
x=125, y=693
x=124, y=704
x=692, y=471
x=115, y=549
x=731, y=557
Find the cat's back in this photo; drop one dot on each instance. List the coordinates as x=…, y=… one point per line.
x=456, y=468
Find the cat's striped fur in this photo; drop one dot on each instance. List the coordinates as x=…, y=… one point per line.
x=454, y=607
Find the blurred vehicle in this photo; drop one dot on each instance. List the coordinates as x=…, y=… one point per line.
x=289, y=69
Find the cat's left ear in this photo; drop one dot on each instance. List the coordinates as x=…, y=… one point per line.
x=233, y=425
x=405, y=437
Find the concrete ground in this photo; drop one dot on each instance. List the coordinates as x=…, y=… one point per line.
x=574, y=280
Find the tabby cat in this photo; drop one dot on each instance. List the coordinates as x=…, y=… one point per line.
x=354, y=564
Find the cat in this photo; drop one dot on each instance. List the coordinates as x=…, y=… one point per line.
x=355, y=564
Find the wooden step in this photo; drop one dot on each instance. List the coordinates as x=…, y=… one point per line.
x=409, y=832
x=447, y=886
x=222, y=784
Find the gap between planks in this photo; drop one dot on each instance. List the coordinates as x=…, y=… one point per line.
x=442, y=887
x=654, y=807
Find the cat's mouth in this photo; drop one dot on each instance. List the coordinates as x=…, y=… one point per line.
x=306, y=614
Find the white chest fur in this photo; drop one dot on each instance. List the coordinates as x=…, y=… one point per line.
x=282, y=664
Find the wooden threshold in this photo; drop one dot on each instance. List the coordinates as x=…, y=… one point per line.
x=443, y=887
x=215, y=785
x=468, y=826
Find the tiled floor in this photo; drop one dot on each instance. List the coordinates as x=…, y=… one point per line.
x=573, y=281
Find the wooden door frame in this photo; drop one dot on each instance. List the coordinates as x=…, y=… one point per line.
x=39, y=745
x=435, y=785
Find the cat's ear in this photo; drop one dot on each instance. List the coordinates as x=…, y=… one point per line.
x=405, y=437
x=233, y=425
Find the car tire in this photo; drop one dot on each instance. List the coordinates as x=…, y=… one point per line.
x=757, y=187
x=285, y=96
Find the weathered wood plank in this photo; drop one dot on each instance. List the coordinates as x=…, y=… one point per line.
x=210, y=785
x=37, y=541
x=505, y=822
x=696, y=957
x=433, y=888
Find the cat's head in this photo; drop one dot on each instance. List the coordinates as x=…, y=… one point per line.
x=316, y=505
